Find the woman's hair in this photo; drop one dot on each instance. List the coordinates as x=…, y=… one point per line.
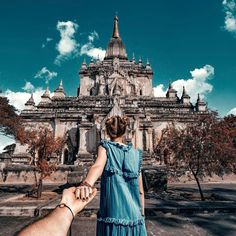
x=116, y=126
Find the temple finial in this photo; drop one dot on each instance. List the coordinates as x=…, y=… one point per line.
x=184, y=91
x=115, y=28
x=61, y=85
x=30, y=102
x=198, y=97
x=84, y=65
x=133, y=58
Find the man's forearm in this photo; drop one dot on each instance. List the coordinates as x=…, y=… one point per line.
x=56, y=223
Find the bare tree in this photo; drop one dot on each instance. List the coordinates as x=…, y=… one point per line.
x=204, y=147
x=41, y=145
x=9, y=119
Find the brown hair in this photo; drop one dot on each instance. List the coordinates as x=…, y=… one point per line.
x=116, y=126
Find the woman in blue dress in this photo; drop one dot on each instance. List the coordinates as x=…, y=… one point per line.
x=121, y=210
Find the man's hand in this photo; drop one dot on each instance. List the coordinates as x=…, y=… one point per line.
x=76, y=205
x=58, y=221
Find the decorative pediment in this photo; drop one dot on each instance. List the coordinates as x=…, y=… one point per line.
x=115, y=111
x=115, y=75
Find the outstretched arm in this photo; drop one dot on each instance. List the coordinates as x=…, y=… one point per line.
x=59, y=220
x=141, y=192
x=97, y=168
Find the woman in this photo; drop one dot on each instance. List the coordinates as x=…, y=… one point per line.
x=122, y=197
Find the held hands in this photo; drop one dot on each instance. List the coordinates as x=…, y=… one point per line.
x=84, y=191
x=69, y=197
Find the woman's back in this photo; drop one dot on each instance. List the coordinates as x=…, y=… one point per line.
x=120, y=206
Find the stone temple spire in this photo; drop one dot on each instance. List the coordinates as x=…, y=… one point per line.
x=45, y=98
x=31, y=100
x=115, y=47
x=185, y=97
x=115, y=28
x=171, y=92
x=200, y=104
x=59, y=92
x=30, y=104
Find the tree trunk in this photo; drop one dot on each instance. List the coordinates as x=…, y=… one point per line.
x=35, y=177
x=40, y=188
x=199, y=187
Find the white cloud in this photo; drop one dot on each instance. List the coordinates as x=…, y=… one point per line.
x=229, y=7
x=28, y=87
x=230, y=22
x=46, y=74
x=19, y=98
x=67, y=45
x=47, y=41
x=92, y=36
x=160, y=91
x=232, y=111
x=199, y=83
x=203, y=73
x=90, y=50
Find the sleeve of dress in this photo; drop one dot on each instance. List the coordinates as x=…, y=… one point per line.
x=103, y=143
x=140, y=153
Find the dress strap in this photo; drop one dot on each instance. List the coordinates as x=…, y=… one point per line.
x=103, y=143
x=125, y=148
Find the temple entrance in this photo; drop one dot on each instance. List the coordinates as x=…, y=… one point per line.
x=66, y=157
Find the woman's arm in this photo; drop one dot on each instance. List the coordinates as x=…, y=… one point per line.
x=97, y=168
x=141, y=191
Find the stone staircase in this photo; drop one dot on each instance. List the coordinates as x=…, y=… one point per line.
x=78, y=174
x=147, y=159
x=80, y=171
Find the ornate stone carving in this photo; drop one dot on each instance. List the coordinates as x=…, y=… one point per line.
x=114, y=86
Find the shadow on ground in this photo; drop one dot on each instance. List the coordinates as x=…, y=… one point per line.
x=201, y=224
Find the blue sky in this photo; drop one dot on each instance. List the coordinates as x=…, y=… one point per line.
x=188, y=42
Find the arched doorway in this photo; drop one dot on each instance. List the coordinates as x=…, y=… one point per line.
x=66, y=157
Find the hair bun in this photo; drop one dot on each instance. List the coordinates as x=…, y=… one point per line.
x=116, y=126
x=125, y=120
x=109, y=121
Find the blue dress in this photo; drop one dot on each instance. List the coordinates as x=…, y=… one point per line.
x=120, y=212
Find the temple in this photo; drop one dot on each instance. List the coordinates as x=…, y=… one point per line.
x=113, y=86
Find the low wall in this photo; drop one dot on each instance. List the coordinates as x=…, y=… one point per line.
x=26, y=175
x=155, y=178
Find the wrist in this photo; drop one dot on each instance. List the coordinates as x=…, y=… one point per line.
x=66, y=211
x=85, y=183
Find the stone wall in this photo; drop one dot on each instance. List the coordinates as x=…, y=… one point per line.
x=25, y=175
